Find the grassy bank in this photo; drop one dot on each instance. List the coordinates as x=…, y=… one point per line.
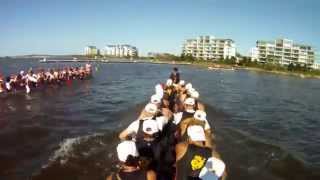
x=299, y=71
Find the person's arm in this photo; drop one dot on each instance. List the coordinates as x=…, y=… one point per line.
x=142, y=114
x=124, y=134
x=209, y=139
x=201, y=106
x=132, y=128
x=184, y=125
x=166, y=112
x=178, y=76
x=219, y=163
x=109, y=177
x=181, y=149
x=171, y=76
x=165, y=103
x=151, y=175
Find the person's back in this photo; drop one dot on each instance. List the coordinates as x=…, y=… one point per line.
x=129, y=164
x=191, y=164
x=136, y=174
x=193, y=156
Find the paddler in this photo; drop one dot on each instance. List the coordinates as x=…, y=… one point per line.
x=147, y=140
x=129, y=164
x=150, y=111
x=188, y=111
x=199, y=118
x=157, y=100
x=1, y=85
x=194, y=160
x=8, y=84
x=170, y=95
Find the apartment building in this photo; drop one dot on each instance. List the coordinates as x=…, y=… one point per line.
x=283, y=51
x=124, y=50
x=91, y=51
x=209, y=48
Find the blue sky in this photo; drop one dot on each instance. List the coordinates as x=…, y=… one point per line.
x=67, y=26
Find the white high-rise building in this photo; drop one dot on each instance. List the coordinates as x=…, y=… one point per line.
x=120, y=50
x=316, y=64
x=209, y=48
x=254, y=54
x=284, y=52
x=91, y=51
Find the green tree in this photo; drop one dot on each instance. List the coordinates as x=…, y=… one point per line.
x=187, y=57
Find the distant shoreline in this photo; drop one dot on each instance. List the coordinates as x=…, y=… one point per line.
x=217, y=66
x=253, y=69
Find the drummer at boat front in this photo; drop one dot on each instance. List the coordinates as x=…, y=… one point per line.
x=194, y=160
x=175, y=75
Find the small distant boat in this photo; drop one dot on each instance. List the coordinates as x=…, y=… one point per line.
x=219, y=68
x=213, y=68
x=43, y=60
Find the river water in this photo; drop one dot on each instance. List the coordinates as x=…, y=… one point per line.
x=267, y=126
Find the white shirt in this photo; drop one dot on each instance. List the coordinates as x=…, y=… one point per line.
x=134, y=126
x=178, y=116
x=8, y=86
x=31, y=78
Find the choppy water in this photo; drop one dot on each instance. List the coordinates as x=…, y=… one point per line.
x=266, y=125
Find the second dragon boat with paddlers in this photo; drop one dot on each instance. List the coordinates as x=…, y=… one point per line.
x=27, y=82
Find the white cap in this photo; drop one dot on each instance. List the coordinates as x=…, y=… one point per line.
x=158, y=86
x=126, y=148
x=159, y=90
x=200, y=115
x=151, y=108
x=182, y=82
x=188, y=86
x=162, y=121
x=195, y=94
x=213, y=165
x=150, y=126
x=196, y=133
x=189, y=101
x=191, y=90
x=21, y=72
x=160, y=94
x=155, y=99
x=169, y=82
